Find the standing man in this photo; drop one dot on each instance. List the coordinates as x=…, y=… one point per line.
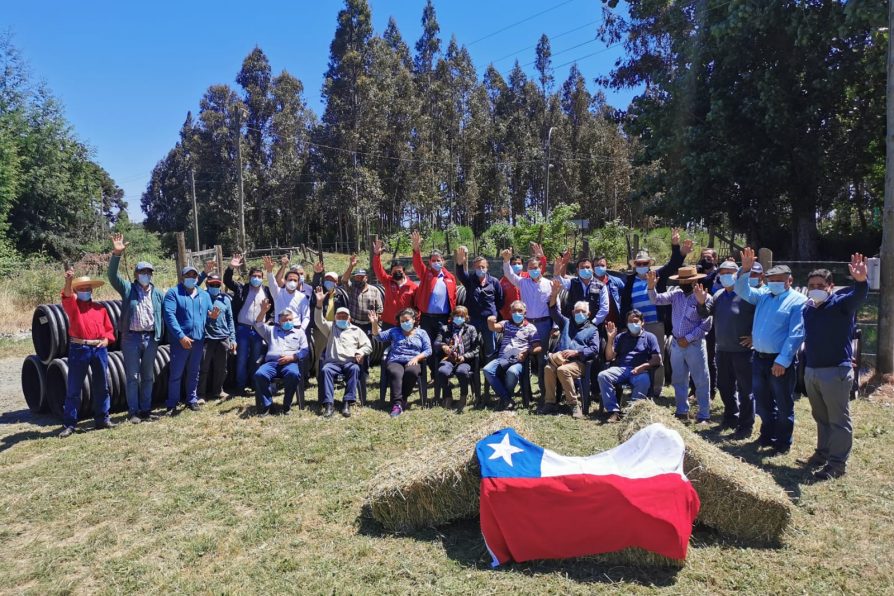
x=436, y=296
x=400, y=290
x=707, y=264
x=220, y=338
x=535, y=291
x=776, y=335
x=484, y=297
x=287, y=348
x=632, y=354
x=510, y=291
x=635, y=296
x=303, y=286
x=362, y=297
x=333, y=299
x=688, y=353
x=614, y=286
x=140, y=327
x=247, y=299
x=733, y=319
x=583, y=288
x=89, y=333
x=289, y=294
x=186, y=310
x=829, y=323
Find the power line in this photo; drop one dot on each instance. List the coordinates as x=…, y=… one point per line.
x=551, y=38
x=584, y=43
x=524, y=20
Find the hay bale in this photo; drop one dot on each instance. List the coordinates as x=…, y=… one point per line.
x=435, y=484
x=737, y=499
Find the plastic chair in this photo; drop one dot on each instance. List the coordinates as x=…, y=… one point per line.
x=422, y=384
x=475, y=382
x=339, y=378
x=524, y=383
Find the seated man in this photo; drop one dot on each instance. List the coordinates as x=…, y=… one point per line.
x=520, y=339
x=346, y=346
x=456, y=347
x=578, y=344
x=634, y=353
x=286, y=348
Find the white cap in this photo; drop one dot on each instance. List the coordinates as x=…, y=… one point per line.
x=331, y=274
x=342, y=309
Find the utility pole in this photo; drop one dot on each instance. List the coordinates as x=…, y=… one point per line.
x=549, y=138
x=195, y=209
x=241, y=187
x=885, y=353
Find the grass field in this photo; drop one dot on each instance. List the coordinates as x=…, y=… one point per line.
x=222, y=502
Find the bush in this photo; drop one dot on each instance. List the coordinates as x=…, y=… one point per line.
x=611, y=241
x=551, y=233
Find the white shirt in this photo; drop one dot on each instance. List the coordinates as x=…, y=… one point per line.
x=248, y=314
x=296, y=302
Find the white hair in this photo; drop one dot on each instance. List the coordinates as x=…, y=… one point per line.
x=518, y=303
x=582, y=304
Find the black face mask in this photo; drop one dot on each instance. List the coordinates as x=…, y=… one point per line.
x=397, y=275
x=706, y=265
x=687, y=288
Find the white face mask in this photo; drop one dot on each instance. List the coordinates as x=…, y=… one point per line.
x=291, y=285
x=818, y=296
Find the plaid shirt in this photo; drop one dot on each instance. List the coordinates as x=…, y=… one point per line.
x=687, y=323
x=143, y=318
x=360, y=302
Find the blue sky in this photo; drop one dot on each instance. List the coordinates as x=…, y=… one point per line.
x=127, y=72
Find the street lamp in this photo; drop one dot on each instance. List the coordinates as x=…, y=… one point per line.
x=547, y=166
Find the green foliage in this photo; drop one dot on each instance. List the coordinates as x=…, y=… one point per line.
x=611, y=241
x=553, y=234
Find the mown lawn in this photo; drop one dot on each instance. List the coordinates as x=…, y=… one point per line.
x=222, y=502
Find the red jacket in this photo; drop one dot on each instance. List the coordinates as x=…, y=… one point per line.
x=397, y=297
x=426, y=281
x=511, y=293
x=87, y=320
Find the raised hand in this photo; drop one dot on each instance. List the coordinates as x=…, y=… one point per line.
x=354, y=260
x=686, y=248
x=284, y=260
x=416, y=239
x=237, y=260
x=265, y=306
x=210, y=267
x=701, y=295
x=557, y=286
x=118, y=244
x=373, y=317
x=566, y=257
x=857, y=267
x=610, y=329
x=268, y=263
x=69, y=273
x=536, y=250
x=651, y=279
x=675, y=237
x=318, y=293
x=461, y=255
x=747, y=258
x=378, y=247
x=318, y=267
x=506, y=253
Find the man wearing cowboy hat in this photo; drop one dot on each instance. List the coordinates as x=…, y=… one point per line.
x=140, y=326
x=688, y=353
x=89, y=333
x=634, y=295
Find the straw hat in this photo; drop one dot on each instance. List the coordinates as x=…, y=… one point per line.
x=642, y=255
x=80, y=282
x=688, y=273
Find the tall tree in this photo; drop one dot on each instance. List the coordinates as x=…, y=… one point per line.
x=543, y=64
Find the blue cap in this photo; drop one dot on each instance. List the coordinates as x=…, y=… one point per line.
x=757, y=267
x=188, y=269
x=143, y=265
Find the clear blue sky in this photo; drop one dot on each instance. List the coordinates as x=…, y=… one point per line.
x=127, y=72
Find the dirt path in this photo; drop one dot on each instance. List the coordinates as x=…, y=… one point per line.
x=17, y=423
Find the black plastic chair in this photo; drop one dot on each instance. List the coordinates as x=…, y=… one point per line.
x=475, y=381
x=524, y=384
x=422, y=384
x=583, y=387
x=361, y=389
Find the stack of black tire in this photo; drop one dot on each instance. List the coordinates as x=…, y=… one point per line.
x=45, y=373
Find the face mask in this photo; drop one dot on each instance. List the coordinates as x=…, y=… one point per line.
x=300, y=278
x=406, y=325
x=599, y=271
x=727, y=280
x=518, y=317
x=687, y=288
x=585, y=273
x=634, y=328
x=214, y=291
x=144, y=278
x=291, y=285
x=705, y=264
x=287, y=326
x=189, y=282
x=436, y=266
x=328, y=285
x=516, y=268
x=534, y=273
x=85, y=296
x=459, y=321
x=341, y=323
x=642, y=270
x=397, y=275
x=255, y=282
x=754, y=281
x=818, y=296
x=776, y=287
x=481, y=272
x=579, y=318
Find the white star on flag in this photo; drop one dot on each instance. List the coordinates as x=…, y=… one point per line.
x=504, y=449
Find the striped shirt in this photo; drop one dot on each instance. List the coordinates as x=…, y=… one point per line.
x=641, y=302
x=142, y=319
x=687, y=323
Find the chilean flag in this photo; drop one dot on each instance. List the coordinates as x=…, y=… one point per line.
x=537, y=504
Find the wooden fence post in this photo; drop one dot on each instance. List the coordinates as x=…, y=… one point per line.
x=370, y=272
x=218, y=256
x=181, y=254
x=765, y=257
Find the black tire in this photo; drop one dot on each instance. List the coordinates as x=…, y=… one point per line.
x=34, y=384
x=43, y=333
x=461, y=295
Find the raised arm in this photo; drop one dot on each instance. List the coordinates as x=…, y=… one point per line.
x=322, y=324
x=235, y=262
x=654, y=297
x=121, y=285
x=493, y=325
x=281, y=273
x=854, y=297
x=380, y=272
x=703, y=306
x=742, y=289
x=678, y=255
x=461, y=260
x=346, y=276
x=507, y=268
x=611, y=332
x=418, y=263
x=260, y=326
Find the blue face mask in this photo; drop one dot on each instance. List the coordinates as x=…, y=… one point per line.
x=189, y=282
x=459, y=321
x=481, y=272
x=754, y=281
x=436, y=266
x=214, y=291
x=534, y=273
x=406, y=325
x=287, y=326
x=144, y=278
x=85, y=296
x=518, y=317
x=341, y=323
x=517, y=268
x=579, y=318
x=642, y=270
x=599, y=270
x=255, y=282
x=585, y=273
x=634, y=328
x=727, y=279
x=328, y=285
x=776, y=287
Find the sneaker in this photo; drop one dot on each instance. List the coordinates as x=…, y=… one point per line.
x=66, y=432
x=171, y=412
x=505, y=404
x=223, y=396
x=577, y=412
x=200, y=401
x=264, y=413
x=194, y=406
x=396, y=410
x=134, y=419
x=613, y=417
x=547, y=408
x=705, y=422
x=828, y=473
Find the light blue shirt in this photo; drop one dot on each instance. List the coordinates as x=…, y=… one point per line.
x=535, y=294
x=778, y=320
x=438, y=303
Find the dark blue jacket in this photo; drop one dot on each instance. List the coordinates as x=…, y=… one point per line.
x=829, y=327
x=583, y=338
x=482, y=300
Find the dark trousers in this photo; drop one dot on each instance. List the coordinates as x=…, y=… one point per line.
x=463, y=374
x=214, y=368
x=350, y=370
x=775, y=402
x=402, y=379
x=711, y=344
x=734, y=383
x=431, y=324
x=81, y=360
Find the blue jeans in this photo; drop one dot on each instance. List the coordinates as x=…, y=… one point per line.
x=291, y=376
x=82, y=358
x=488, y=340
x=249, y=349
x=350, y=370
x=139, y=368
x=774, y=398
x=188, y=363
x=691, y=360
x=621, y=374
x=512, y=372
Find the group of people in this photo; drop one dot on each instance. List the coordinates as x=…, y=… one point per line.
x=733, y=326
